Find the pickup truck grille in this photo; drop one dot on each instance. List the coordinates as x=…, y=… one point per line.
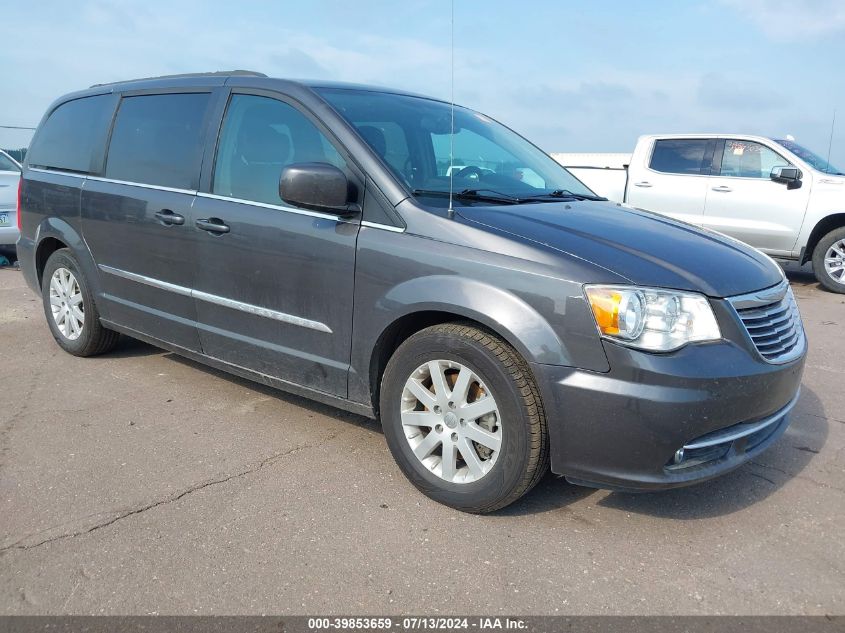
x=773, y=322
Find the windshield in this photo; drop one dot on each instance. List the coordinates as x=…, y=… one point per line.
x=815, y=161
x=412, y=136
x=7, y=164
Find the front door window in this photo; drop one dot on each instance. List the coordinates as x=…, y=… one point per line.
x=747, y=159
x=260, y=137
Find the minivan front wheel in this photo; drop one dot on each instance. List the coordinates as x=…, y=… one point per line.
x=70, y=310
x=829, y=260
x=463, y=418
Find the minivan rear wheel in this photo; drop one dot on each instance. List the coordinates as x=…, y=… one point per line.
x=70, y=309
x=829, y=260
x=463, y=418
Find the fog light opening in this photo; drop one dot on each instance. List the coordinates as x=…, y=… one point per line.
x=679, y=455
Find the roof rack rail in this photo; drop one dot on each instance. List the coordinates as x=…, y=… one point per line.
x=216, y=73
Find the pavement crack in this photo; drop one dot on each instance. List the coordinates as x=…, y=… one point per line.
x=764, y=478
x=770, y=467
x=791, y=475
x=826, y=418
x=8, y=426
x=267, y=461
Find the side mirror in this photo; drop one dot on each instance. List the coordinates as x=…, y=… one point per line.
x=790, y=176
x=319, y=186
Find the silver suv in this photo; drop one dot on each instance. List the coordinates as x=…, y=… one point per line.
x=10, y=175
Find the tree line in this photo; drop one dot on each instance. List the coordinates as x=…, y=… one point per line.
x=17, y=154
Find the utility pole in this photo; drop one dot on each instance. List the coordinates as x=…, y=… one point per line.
x=830, y=143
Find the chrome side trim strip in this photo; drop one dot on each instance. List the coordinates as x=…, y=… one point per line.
x=40, y=170
x=277, y=207
x=217, y=300
x=275, y=347
x=190, y=192
x=383, y=227
x=262, y=312
x=740, y=430
x=58, y=172
x=148, y=281
x=212, y=196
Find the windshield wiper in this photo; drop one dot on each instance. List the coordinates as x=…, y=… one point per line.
x=504, y=198
x=471, y=194
x=565, y=193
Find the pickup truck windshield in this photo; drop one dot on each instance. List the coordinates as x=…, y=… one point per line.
x=815, y=161
x=412, y=136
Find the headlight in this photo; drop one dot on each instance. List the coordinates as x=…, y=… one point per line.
x=651, y=319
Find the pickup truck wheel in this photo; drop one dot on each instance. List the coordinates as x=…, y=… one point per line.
x=463, y=418
x=829, y=260
x=70, y=310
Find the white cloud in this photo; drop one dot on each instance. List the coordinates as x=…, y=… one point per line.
x=793, y=19
x=734, y=94
x=589, y=105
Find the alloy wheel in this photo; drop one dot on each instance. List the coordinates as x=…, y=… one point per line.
x=451, y=421
x=834, y=261
x=66, y=304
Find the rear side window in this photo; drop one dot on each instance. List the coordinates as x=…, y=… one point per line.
x=68, y=138
x=680, y=156
x=260, y=137
x=158, y=140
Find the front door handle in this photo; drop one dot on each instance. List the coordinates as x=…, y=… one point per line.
x=722, y=189
x=212, y=225
x=168, y=218
x=645, y=184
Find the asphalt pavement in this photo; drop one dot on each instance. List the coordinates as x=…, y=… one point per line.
x=139, y=482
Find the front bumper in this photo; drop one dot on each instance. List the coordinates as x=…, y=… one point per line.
x=720, y=402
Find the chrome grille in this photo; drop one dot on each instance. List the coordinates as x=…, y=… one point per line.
x=773, y=322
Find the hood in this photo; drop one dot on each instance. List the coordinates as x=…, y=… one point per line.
x=643, y=247
x=828, y=191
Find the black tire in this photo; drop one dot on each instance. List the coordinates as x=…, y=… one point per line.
x=523, y=457
x=94, y=338
x=819, y=269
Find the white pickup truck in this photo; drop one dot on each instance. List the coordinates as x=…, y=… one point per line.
x=772, y=194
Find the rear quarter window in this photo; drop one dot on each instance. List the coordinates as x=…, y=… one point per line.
x=680, y=156
x=69, y=136
x=158, y=140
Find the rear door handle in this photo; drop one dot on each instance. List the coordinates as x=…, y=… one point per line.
x=212, y=225
x=644, y=184
x=722, y=189
x=168, y=218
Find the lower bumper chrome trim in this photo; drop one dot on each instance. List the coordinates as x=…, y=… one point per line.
x=737, y=431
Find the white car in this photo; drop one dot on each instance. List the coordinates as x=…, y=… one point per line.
x=10, y=175
x=773, y=194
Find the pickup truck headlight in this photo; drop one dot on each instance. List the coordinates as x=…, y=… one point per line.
x=652, y=319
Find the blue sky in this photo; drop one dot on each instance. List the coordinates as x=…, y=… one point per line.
x=572, y=76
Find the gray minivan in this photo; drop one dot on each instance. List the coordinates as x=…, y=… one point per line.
x=304, y=235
